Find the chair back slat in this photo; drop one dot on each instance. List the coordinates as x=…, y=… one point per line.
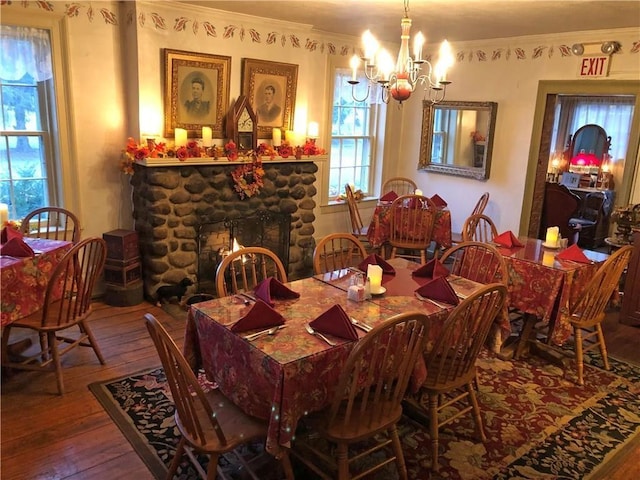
x=412, y=221
x=477, y=261
x=480, y=228
x=243, y=269
x=399, y=185
x=54, y=223
x=481, y=204
x=337, y=251
x=357, y=226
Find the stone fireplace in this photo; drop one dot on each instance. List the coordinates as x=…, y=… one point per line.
x=172, y=201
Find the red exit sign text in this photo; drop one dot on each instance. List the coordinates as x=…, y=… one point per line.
x=594, y=66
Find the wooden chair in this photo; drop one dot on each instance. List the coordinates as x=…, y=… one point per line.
x=587, y=312
x=400, y=185
x=479, y=228
x=412, y=220
x=357, y=228
x=367, y=400
x=451, y=363
x=54, y=223
x=481, y=204
x=243, y=269
x=67, y=304
x=337, y=251
x=591, y=213
x=209, y=423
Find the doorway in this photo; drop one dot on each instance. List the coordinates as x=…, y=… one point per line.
x=542, y=134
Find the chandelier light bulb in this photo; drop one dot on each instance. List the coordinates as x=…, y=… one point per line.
x=418, y=42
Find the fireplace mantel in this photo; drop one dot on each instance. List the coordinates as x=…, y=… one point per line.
x=208, y=161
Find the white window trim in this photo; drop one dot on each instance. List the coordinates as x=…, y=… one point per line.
x=62, y=139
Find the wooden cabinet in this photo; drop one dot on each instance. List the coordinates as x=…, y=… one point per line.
x=630, y=311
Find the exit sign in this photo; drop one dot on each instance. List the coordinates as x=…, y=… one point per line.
x=594, y=66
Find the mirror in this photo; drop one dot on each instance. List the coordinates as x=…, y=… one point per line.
x=590, y=139
x=457, y=138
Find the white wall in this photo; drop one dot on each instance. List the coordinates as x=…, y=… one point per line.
x=112, y=64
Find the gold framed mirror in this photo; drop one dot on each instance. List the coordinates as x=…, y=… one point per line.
x=457, y=138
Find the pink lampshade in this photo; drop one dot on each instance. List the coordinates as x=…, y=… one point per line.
x=586, y=160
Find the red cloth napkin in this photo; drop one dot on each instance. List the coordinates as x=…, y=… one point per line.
x=389, y=196
x=336, y=322
x=432, y=269
x=440, y=290
x=375, y=259
x=271, y=288
x=573, y=253
x=260, y=315
x=13, y=244
x=438, y=201
x=508, y=239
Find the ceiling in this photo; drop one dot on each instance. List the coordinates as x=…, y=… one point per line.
x=455, y=20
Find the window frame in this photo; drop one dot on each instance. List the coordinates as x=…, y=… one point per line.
x=63, y=176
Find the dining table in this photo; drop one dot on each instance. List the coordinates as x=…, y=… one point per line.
x=379, y=230
x=287, y=373
x=24, y=280
x=543, y=285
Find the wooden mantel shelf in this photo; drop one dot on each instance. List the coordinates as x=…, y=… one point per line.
x=202, y=161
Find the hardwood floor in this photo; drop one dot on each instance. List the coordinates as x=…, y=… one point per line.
x=46, y=436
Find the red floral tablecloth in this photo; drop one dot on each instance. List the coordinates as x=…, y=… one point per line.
x=24, y=280
x=283, y=377
x=380, y=228
x=543, y=286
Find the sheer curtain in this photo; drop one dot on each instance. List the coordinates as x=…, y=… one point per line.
x=25, y=50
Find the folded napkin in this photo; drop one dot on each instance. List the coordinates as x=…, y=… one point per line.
x=389, y=196
x=508, y=239
x=16, y=247
x=440, y=290
x=438, y=201
x=8, y=233
x=271, y=288
x=336, y=322
x=260, y=315
x=432, y=269
x=375, y=259
x=573, y=253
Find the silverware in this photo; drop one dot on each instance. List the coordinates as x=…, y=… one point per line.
x=437, y=304
x=242, y=298
x=356, y=270
x=248, y=296
x=361, y=326
x=268, y=331
x=318, y=334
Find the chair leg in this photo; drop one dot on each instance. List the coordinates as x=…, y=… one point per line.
x=212, y=469
x=53, y=346
x=603, y=347
x=393, y=252
x=433, y=430
x=92, y=340
x=577, y=334
x=343, y=461
x=476, y=411
x=286, y=466
x=397, y=449
x=423, y=257
x=177, y=458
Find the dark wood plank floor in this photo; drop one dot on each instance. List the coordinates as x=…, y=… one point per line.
x=45, y=436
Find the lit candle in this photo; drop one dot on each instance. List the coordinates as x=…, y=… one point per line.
x=418, y=42
x=276, y=134
x=180, y=137
x=289, y=137
x=313, y=129
x=370, y=46
x=4, y=214
x=418, y=191
x=207, y=137
x=548, y=259
x=552, y=236
x=445, y=57
x=354, y=63
x=374, y=272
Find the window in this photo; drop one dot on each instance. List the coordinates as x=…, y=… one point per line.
x=352, y=136
x=27, y=157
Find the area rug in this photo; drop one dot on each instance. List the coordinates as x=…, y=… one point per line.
x=538, y=424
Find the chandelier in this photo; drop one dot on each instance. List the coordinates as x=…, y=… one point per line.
x=399, y=81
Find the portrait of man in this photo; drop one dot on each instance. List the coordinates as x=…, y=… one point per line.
x=269, y=111
x=197, y=106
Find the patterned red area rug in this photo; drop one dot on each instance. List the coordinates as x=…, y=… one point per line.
x=538, y=424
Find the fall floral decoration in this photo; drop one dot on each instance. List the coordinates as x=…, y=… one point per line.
x=285, y=150
x=134, y=151
x=477, y=136
x=247, y=178
x=231, y=150
x=310, y=148
x=265, y=150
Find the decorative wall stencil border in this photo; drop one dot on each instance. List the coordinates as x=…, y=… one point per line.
x=181, y=24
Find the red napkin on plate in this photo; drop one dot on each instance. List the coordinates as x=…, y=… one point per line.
x=375, y=259
x=573, y=253
x=15, y=246
x=271, y=288
x=336, y=322
x=260, y=315
x=432, y=269
x=389, y=196
x=439, y=201
x=8, y=233
x=440, y=290
x=508, y=239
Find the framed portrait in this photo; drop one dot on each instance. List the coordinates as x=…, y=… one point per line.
x=271, y=90
x=196, y=92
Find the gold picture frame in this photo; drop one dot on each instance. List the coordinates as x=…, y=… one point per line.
x=271, y=90
x=196, y=92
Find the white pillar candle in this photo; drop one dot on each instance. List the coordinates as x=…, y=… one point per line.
x=313, y=129
x=418, y=191
x=180, y=137
x=4, y=214
x=551, y=238
x=374, y=272
x=207, y=136
x=276, y=134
